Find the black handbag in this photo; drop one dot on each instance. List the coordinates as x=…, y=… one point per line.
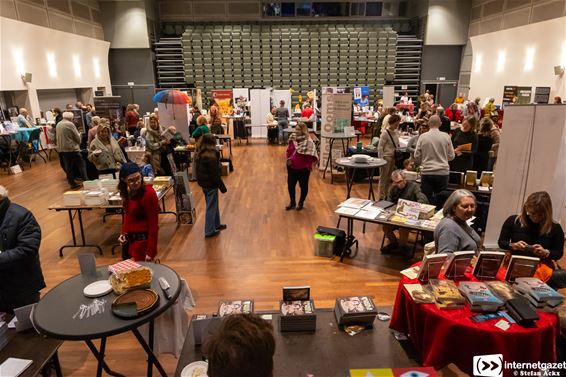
x=399, y=155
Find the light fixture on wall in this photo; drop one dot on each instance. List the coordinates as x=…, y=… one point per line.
x=26, y=77
x=529, y=59
x=51, y=65
x=500, y=61
x=558, y=70
x=77, y=66
x=477, y=63
x=96, y=67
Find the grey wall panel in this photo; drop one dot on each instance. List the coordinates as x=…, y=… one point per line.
x=518, y=18
x=85, y=29
x=60, y=5
x=80, y=10
x=32, y=14
x=547, y=11
x=492, y=7
x=8, y=9
x=441, y=61
x=61, y=22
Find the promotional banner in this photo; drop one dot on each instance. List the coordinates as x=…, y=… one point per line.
x=524, y=95
x=336, y=115
x=360, y=92
x=509, y=93
x=108, y=107
x=542, y=94
x=223, y=98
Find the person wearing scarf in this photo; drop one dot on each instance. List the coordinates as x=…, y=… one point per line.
x=154, y=142
x=301, y=155
x=104, y=151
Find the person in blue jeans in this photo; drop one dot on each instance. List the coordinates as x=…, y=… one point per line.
x=208, y=177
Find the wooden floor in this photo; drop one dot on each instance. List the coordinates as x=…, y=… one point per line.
x=263, y=249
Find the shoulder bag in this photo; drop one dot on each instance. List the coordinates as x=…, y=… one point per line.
x=399, y=155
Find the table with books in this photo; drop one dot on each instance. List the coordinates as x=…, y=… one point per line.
x=451, y=316
x=406, y=214
x=101, y=195
x=310, y=341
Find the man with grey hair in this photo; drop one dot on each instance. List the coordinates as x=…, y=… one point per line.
x=68, y=145
x=433, y=151
x=444, y=121
x=401, y=189
x=95, y=121
x=24, y=120
x=21, y=278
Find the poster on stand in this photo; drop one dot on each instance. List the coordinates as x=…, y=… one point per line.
x=542, y=94
x=524, y=94
x=509, y=93
x=359, y=93
x=223, y=98
x=108, y=107
x=336, y=116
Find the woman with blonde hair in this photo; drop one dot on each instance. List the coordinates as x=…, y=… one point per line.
x=534, y=233
x=104, y=151
x=154, y=142
x=301, y=155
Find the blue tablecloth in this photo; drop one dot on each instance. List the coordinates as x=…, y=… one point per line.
x=23, y=134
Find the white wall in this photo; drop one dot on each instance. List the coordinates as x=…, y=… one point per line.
x=547, y=39
x=447, y=22
x=25, y=47
x=125, y=24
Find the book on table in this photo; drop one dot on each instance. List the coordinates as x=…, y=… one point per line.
x=13, y=367
x=522, y=311
x=431, y=266
x=487, y=264
x=446, y=294
x=421, y=294
x=502, y=289
x=355, y=310
x=355, y=203
x=540, y=294
x=457, y=264
x=521, y=267
x=297, y=316
x=479, y=297
x=235, y=307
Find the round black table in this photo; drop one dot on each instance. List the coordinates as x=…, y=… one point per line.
x=331, y=138
x=351, y=166
x=53, y=315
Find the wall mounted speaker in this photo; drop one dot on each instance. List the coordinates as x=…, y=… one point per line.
x=558, y=70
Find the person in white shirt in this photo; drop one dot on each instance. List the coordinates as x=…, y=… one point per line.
x=433, y=152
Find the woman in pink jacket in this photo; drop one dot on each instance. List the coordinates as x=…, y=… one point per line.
x=301, y=155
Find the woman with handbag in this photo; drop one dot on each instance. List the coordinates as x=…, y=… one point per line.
x=388, y=149
x=301, y=155
x=534, y=233
x=208, y=177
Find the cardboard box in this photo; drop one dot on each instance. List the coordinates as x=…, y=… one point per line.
x=338, y=176
x=225, y=169
x=415, y=210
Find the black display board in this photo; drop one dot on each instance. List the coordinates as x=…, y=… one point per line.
x=109, y=107
x=524, y=94
x=509, y=92
x=542, y=94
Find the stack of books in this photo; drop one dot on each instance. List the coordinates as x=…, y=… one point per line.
x=3, y=335
x=91, y=185
x=446, y=294
x=356, y=310
x=73, y=198
x=235, y=307
x=110, y=185
x=297, y=316
x=94, y=198
x=502, y=289
x=522, y=311
x=479, y=297
x=415, y=210
x=539, y=294
x=420, y=294
x=297, y=311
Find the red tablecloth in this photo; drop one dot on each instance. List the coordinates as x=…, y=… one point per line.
x=442, y=337
x=408, y=106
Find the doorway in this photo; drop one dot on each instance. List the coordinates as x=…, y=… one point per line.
x=444, y=92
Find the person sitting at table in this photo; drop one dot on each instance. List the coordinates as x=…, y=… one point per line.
x=405, y=99
x=465, y=143
x=210, y=180
x=388, y=144
x=453, y=232
x=104, y=152
x=21, y=277
x=270, y=117
x=301, y=155
x=401, y=189
x=459, y=99
x=141, y=208
x=453, y=114
x=282, y=117
x=201, y=129
x=24, y=120
x=533, y=233
x=242, y=346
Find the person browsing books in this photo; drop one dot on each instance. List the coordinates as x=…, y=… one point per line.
x=453, y=232
x=465, y=142
x=401, y=189
x=534, y=233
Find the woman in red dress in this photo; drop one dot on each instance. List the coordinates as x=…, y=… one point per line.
x=141, y=209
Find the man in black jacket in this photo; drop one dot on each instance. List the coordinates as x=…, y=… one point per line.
x=21, y=278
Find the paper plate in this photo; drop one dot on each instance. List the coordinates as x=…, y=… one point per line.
x=97, y=289
x=195, y=369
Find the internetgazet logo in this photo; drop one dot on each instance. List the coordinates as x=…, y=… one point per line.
x=488, y=365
